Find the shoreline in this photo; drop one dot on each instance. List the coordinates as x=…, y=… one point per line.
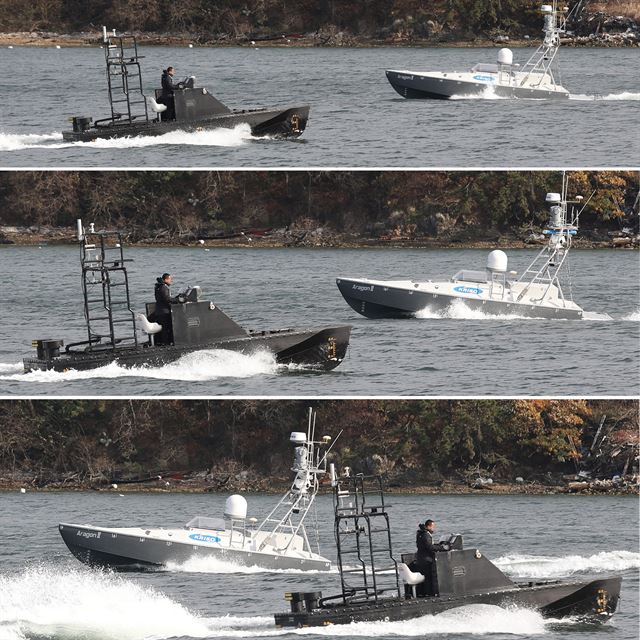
x=446, y=487
x=62, y=236
x=336, y=41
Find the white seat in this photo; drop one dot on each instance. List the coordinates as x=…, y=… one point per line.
x=412, y=578
x=150, y=328
x=155, y=106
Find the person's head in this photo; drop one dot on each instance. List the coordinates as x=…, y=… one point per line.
x=430, y=526
x=170, y=70
x=167, y=278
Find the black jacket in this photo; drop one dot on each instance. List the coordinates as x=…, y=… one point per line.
x=426, y=548
x=167, y=84
x=163, y=297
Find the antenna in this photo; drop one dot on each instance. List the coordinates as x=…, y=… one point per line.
x=80, y=230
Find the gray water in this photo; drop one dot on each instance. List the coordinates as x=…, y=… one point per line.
x=46, y=593
x=357, y=119
x=470, y=354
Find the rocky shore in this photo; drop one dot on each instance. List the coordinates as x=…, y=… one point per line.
x=606, y=31
x=246, y=482
x=324, y=237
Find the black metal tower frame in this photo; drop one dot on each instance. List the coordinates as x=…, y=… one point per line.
x=105, y=290
x=124, y=77
x=363, y=537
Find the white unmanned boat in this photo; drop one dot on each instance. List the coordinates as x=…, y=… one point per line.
x=279, y=542
x=538, y=78
x=537, y=293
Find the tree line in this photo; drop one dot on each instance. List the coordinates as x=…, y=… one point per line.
x=206, y=203
x=226, y=19
x=408, y=441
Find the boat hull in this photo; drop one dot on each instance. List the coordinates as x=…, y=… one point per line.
x=377, y=301
x=281, y=123
x=414, y=85
x=320, y=348
x=595, y=601
x=124, y=552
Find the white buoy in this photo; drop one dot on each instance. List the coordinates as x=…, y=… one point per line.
x=23, y=490
x=58, y=46
x=114, y=486
x=10, y=46
x=201, y=241
x=190, y=46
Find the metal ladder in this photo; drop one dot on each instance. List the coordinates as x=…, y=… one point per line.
x=105, y=289
x=124, y=78
x=363, y=539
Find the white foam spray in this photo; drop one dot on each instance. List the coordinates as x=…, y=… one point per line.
x=528, y=566
x=207, y=364
x=469, y=620
x=45, y=601
x=458, y=310
x=17, y=141
x=634, y=316
x=611, y=97
x=215, y=565
x=238, y=136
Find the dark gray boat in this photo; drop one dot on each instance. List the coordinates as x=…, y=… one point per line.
x=280, y=541
x=197, y=324
x=538, y=78
x=376, y=587
x=195, y=109
x=538, y=293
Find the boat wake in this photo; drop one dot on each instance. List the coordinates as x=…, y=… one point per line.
x=17, y=141
x=458, y=310
x=527, y=566
x=207, y=364
x=625, y=95
x=239, y=135
x=634, y=316
x=214, y=565
x=47, y=602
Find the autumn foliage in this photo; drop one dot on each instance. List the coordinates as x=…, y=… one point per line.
x=409, y=441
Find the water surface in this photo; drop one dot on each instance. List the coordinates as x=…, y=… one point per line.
x=357, y=119
x=464, y=353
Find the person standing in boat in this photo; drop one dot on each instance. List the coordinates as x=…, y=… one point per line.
x=425, y=561
x=162, y=313
x=166, y=96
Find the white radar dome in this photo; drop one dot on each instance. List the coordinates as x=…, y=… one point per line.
x=553, y=198
x=298, y=437
x=497, y=261
x=235, y=507
x=505, y=56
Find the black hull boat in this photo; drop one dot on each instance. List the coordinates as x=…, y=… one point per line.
x=376, y=587
x=276, y=123
x=191, y=109
x=323, y=349
x=536, y=79
x=196, y=325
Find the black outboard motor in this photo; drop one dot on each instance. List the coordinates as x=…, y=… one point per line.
x=47, y=349
x=303, y=600
x=81, y=123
